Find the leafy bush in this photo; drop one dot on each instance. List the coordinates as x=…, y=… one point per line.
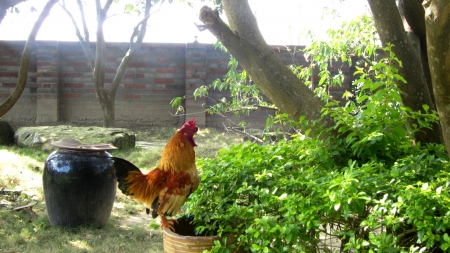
x=284, y=197
x=370, y=189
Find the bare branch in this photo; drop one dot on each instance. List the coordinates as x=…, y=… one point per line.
x=267, y=107
x=364, y=58
x=77, y=30
x=83, y=20
x=85, y=44
x=134, y=46
x=253, y=108
x=143, y=22
x=187, y=114
x=244, y=133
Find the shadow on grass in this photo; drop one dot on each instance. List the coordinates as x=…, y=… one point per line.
x=22, y=232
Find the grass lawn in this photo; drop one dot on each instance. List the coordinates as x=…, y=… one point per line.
x=129, y=228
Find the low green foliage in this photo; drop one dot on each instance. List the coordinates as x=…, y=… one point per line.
x=370, y=189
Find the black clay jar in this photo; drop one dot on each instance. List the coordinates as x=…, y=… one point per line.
x=79, y=184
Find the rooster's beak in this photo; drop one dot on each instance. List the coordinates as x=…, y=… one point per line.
x=198, y=133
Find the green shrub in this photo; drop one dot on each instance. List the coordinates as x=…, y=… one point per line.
x=370, y=189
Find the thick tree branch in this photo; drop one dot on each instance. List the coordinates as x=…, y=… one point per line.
x=25, y=60
x=415, y=92
x=274, y=79
x=242, y=21
x=437, y=21
x=413, y=14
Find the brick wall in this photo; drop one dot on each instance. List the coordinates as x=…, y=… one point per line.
x=24, y=110
x=60, y=88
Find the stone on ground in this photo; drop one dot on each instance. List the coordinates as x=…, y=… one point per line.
x=42, y=136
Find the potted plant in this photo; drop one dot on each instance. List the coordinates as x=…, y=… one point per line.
x=187, y=239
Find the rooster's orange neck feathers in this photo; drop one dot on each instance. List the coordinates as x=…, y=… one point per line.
x=178, y=155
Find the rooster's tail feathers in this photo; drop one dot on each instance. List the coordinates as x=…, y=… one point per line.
x=122, y=169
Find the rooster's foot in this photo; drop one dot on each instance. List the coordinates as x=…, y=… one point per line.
x=168, y=223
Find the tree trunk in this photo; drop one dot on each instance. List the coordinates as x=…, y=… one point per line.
x=437, y=22
x=413, y=13
x=415, y=92
x=245, y=42
x=108, y=110
x=25, y=60
x=99, y=66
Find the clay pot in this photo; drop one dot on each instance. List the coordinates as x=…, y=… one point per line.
x=184, y=240
x=79, y=184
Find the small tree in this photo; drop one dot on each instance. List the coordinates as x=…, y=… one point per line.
x=97, y=60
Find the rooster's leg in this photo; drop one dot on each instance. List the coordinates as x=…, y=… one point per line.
x=168, y=223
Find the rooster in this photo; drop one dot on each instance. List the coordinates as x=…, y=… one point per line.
x=165, y=188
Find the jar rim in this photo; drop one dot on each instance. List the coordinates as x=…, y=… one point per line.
x=74, y=144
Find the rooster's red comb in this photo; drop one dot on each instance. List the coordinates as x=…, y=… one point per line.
x=189, y=125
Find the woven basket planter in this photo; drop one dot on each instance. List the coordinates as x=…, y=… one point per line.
x=184, y=240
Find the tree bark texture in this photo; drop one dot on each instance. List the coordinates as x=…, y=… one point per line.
x=413, y=13
x=245, y=42
x=25, y=60
x=437, y=22
x=415, y=92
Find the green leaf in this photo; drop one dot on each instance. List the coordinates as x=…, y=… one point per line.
x=362, y=98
